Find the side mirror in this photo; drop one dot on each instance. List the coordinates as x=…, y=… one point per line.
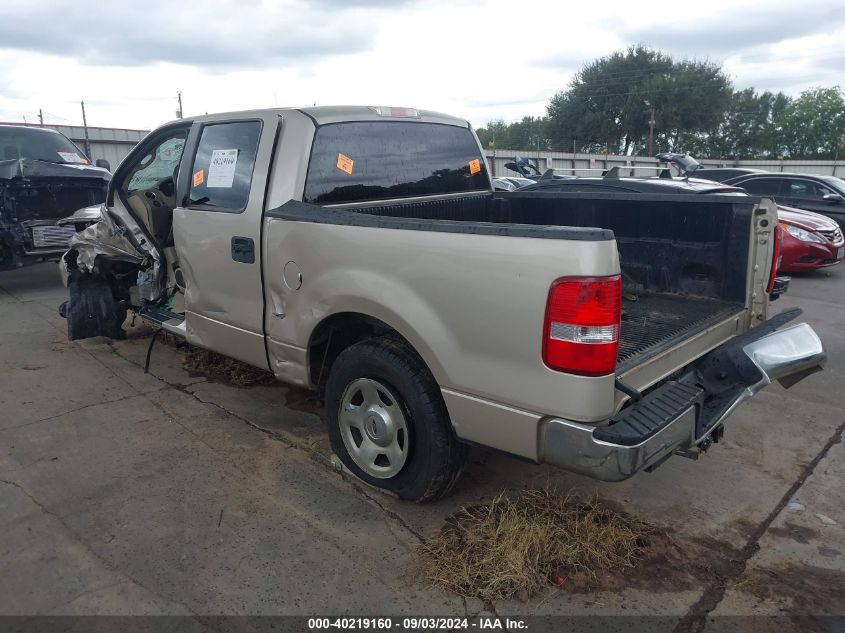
x=102, y=162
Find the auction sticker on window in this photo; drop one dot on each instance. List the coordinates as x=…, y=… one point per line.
x=221, y=170
x=199, y=177
x=474, y=166
x=344, y=163
x=71, y=157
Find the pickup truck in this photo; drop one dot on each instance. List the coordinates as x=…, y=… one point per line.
x=361, y=252
x=43, y=178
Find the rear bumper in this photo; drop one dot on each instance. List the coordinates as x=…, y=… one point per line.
x=683, y=414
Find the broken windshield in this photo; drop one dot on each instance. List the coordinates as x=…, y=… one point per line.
x=38, y=144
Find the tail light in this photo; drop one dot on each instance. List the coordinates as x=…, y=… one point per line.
x=775, y=260
x=581, y=330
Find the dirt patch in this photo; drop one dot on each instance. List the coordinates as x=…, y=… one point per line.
x=794, y=532
x=303, y=400
x=227, y=370
x=828, y=552
x=516, y=545
x=798, y=589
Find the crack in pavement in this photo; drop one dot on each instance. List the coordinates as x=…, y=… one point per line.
x=104, y=561
x=696, y=618
x=359, y=486
x=308, y=451
x=59, y=415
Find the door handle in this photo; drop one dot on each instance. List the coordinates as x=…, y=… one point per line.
x=243, y=250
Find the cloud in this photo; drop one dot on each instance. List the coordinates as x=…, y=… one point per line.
x=216, y=34
x=725, y=31
x=479, y=59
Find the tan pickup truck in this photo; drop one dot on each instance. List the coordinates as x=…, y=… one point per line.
x=361, y=252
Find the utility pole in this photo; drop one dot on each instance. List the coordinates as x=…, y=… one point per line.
x=85, y=126
x=40, y=118
x=179, y=111
x=651, y=133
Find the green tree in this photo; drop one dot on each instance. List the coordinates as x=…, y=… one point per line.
x=528, y=134
x=750, y=128
x=813, y=125
x=607, y=105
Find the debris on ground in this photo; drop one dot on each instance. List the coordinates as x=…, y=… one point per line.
x=515, y=545
x=228, y=370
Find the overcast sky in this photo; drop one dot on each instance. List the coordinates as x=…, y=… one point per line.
x=480, y=59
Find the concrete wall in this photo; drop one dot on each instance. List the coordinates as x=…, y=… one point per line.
x=594, y=164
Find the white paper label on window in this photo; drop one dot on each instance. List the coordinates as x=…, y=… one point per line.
x=221, y=171
x=71, y=157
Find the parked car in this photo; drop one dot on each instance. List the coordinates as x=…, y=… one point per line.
x=43, y=177
x=812, y=192
x=528, y=170
x=362, y=253
x=723, y=174
x=504, y=184
x=518, y=182
x=808, y=241
x=611, y=182
x=508, y=183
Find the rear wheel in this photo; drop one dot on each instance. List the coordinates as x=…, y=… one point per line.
x=388, y=423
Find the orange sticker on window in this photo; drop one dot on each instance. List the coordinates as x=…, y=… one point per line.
x=199, y=177
x=344, y=163
x=474, y=166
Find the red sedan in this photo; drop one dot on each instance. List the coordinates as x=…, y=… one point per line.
x=808, y=241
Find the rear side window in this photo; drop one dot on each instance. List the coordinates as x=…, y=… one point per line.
x=762, y=186
x=223, y=165
x=807, y=189
x=376, y=160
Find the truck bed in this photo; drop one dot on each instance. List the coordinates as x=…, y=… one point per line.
x=685, y=254
x=656, y=321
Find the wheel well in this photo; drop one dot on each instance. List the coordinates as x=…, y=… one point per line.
x=336, y=333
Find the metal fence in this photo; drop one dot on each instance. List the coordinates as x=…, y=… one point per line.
x=594, y=164
x=111, y=144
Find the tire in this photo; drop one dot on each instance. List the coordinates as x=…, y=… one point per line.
x=422, y=459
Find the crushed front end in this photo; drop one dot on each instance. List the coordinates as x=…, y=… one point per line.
x=35, y=194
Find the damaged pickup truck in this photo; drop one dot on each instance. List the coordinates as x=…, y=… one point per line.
x=43, y=177
x=361, y=252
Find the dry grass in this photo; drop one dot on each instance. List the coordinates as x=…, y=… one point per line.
x=233, y=372
x=515, y=546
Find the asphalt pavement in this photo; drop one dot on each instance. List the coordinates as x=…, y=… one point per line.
x=127, y=493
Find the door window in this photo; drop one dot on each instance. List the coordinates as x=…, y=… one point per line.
x=158, y=166
x=223, y=165
x=762, y=186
